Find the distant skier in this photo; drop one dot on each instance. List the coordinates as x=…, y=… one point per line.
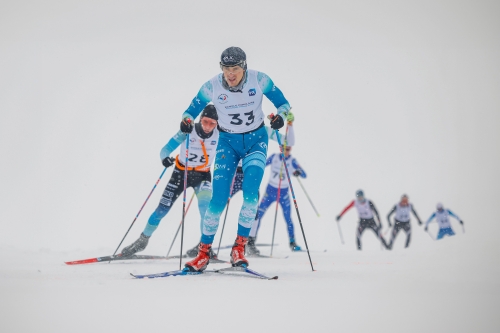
x=443, y=219
x=271, y=195
x=237, y=94
x=402, y=219
x=202, y=148
x=366, y=219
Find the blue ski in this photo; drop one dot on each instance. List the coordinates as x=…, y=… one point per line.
x=221, y=271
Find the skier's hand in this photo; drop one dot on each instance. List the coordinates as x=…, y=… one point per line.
x=186, y=125
x=290, y=117
x=276, y=121
x=297, y=173
x=426, y=227
x=461, y=222
x=338, y=218
x=168, y=161
x=419, y=222
x=390, y=225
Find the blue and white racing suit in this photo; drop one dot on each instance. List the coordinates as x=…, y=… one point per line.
x=443, y=220
x=242, y=137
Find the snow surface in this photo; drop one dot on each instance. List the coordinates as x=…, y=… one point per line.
x=392, y=97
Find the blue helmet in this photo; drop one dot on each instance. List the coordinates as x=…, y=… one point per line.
x=359, y=193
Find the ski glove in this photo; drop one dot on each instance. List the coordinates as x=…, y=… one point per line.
x=276, y=122
x=461, y=222
x=419, y=222
x=390, y=225
x=297, y=173
x=290, y=117
x=426, y=227
x=168, y=161
x=186, y=125
x=338, y=218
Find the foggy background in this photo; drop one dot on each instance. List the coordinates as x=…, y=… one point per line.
x=390, y=97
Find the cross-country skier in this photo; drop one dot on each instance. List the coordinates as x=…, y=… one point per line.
x=365, y=208
x=443, y=219
x=402, y=219
x=237, y=94
x=202, y=148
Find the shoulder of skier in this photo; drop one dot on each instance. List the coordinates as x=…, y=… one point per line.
x=172, y=145
x=272, y=92
x=202, y=98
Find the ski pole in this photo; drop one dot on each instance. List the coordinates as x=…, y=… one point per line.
x=279, y=193
x=340, y=233
x=184, y=196
x=140, y=210
x=293, y=196
x=179, y=228
x=225, y=216
x=310, y=201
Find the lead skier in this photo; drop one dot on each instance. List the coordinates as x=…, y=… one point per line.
x=443, y=219
x=237, y=94
x=402, y=219
x=202, y=147
x=365, y=208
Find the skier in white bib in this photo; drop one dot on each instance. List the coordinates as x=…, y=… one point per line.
x=365, y=208
x=402, y=219
x=202, y=148
x=237, y=94
x=443, y=219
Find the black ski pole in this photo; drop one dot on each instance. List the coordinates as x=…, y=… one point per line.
x=278, y=196
x=186, y=170
x=293, y=196
x=140, y=210
x=179, y=227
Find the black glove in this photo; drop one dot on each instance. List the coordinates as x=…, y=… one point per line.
x=338, y=218
x=297, y=173
x=461, y=222
x=419, y=222
x=168, y=161
x=276, y=122
x=426, y=227
x=186, y=125
x=390, y=225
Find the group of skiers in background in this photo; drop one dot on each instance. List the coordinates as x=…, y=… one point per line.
x=232, y=136
x=367, y=213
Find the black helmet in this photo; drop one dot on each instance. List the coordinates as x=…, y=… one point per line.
x=233, y=56
x=210, y=112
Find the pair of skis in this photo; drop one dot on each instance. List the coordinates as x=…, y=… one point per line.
x=185, y=271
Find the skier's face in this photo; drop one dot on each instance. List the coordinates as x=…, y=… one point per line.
x=287, y=151
x=233, y=75
x=208, y=124
x=404, y=201
x=361, y=198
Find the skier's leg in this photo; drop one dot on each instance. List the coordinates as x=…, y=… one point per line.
x=226, y=161
x=204, y=195
x=238, y=181
x=267, y=200
x=407, y=229
x=395, y=231
x=359, y=232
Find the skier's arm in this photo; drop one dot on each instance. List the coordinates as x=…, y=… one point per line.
x=390, y=213
x=415, y=213
x=345, y=210
x=269, y=160
x=372, y=206
x=429, y=220
x=274, y=94
x=455, y=216
x=199, y=102
x=290, y=138
x=172, y=145
x=298, y=171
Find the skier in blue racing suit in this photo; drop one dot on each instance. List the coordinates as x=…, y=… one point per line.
x=237, y=94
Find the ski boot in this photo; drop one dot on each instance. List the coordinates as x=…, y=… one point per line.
x=200, y=263
x=137, y=246
x=293, y=246
x=238, y=252
x=191, y=253
x=194, y=252
x=251, y=249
